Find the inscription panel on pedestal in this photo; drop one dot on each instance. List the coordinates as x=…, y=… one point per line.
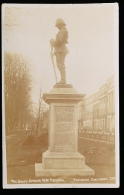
x=63, y=139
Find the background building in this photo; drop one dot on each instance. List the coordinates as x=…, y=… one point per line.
x=96, y=113
x=110, y=105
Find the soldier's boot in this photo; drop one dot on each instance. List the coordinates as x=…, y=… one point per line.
x=63, y=76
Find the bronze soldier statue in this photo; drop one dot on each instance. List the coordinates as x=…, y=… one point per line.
x=60, y=49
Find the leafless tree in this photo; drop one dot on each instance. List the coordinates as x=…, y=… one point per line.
x=41, y=117
x=17, y=82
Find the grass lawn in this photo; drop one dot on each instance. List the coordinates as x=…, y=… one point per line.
x=95, y=152
x=21, y=159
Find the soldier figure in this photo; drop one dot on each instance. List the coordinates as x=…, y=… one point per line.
x=60, y=49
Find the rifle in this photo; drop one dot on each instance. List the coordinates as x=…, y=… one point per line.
x=51, y=54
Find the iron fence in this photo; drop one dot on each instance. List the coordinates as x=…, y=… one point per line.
x=105, y=137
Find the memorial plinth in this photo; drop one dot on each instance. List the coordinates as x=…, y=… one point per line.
x=62, y=157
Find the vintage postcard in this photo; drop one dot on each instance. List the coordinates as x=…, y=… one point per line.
x=60, y=95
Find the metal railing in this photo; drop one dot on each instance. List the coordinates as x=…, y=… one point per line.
x=98, y=136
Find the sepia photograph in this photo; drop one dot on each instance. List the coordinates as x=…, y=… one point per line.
x=60, y=95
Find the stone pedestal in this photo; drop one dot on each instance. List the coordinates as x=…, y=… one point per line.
x=62, y=157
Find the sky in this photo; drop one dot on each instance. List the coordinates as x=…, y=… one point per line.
x=92, y=42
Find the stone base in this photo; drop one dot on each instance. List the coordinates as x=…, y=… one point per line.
x=63, y=158
x=62, y=164
x=39, y=171
x=63, y=90
x=62, y=85
x=70, y=160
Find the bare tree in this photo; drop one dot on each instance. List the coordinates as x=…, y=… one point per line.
x=17, y=91
x=40, y=114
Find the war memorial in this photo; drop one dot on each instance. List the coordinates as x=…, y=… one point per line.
x=62, y=157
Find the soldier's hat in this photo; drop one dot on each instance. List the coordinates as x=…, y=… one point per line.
x=59, y=21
